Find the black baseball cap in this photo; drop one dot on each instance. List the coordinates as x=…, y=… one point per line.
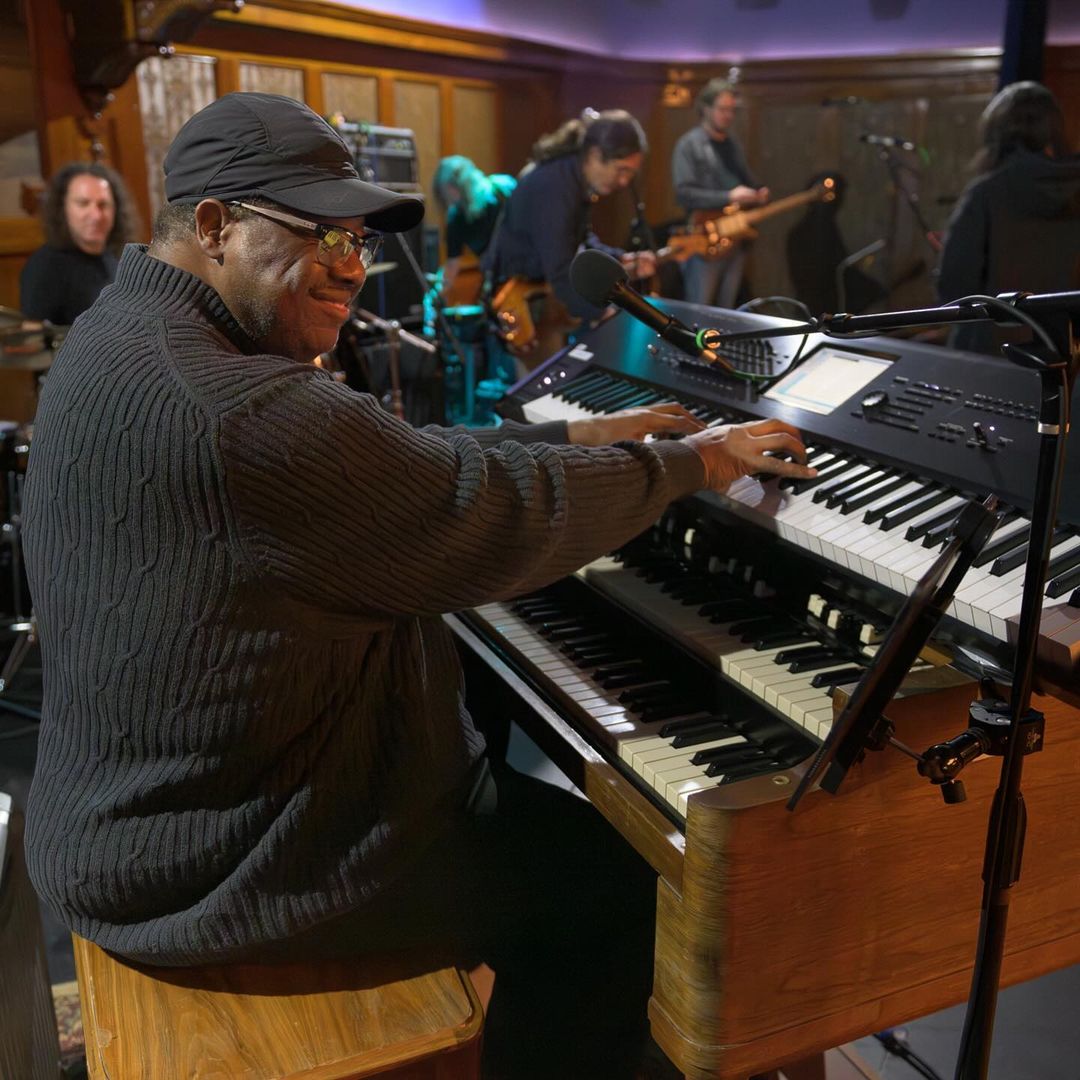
x=247, y=144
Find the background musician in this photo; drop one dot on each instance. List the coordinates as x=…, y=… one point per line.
x=473, y=201
x=88, y=217
x=249, y=752
x=710, y=173
x=1017, y=225
x=547, y=219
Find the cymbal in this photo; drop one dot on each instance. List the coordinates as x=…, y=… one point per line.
x=38, y=360
x=380, y=268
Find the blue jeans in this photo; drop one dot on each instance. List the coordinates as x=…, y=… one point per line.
x=713, y=282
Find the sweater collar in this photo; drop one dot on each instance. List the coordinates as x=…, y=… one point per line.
x=147, y=282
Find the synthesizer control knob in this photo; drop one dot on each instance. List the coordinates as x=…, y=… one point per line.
x=872, y=402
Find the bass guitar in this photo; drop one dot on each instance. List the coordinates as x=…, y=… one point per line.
x=723, y=229
x=533, y=323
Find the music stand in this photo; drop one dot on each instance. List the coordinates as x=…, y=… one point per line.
x=860, y=725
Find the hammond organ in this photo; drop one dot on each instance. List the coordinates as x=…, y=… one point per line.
x=685, y=682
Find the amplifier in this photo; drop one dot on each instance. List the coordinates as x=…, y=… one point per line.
x=383, y=155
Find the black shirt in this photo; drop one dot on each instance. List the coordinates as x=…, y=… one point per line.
x=59, y=285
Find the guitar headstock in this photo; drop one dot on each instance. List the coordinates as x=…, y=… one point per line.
x=826, y=189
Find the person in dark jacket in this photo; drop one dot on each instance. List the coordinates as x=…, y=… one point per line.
x=1017, y=224
x=88, y=217
x=547, y=219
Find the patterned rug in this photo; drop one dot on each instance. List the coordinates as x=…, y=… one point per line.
x=69, y=1023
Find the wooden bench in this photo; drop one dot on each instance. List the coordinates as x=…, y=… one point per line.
x=336, y=1020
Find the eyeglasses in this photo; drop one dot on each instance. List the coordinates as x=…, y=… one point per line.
x=336, y=243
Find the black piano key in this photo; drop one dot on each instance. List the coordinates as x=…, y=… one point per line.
x=614, y=398
x=741, y=771
x=617, y=667
x=1065, y=561
x=996, y=548
x=586, y=639
x=580, y=387
x=731, y=754
x=743, y=765
x=946, y=517
x=785, y=656
x=536, y=606
x=631, y=397
x=871, y=494
x=554, y=632
x=798, y=485
x=829, y=490
x=625, y=680
x=643, y=692
x=902, y=510
x=814, y=663
x=699, y=735
x=1059, y=586
x=1017, y=556
x=838, y=677
x=860, y=483
x=691, y=723
x=589, y=657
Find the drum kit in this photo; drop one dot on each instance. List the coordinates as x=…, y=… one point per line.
x=26, y=354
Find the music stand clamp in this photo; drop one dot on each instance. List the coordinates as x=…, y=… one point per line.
x=990, y=727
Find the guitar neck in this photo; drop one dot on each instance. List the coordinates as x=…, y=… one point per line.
x=789, y=202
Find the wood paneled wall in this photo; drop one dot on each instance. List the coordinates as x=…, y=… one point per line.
x=490, y=97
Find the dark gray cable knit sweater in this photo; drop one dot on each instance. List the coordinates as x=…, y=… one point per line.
x=252, y=710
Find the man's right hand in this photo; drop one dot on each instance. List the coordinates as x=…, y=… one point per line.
x=743, y=196
x=743, y=449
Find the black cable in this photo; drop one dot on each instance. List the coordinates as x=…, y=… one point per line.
x=753, y=305
x=896, y=1046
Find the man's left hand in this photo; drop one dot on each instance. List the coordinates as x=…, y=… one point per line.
x=666, y=419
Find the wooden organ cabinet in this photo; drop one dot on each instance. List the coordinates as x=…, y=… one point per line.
x=685, y=682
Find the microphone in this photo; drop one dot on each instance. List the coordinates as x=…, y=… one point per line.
x=600, y=279
x=887, y=140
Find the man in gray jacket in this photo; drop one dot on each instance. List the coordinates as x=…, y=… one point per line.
x=710, y=173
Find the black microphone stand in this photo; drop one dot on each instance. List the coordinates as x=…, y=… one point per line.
x=440, y=315
x=1055, y=355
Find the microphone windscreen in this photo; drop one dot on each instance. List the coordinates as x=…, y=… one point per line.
x=594, y=274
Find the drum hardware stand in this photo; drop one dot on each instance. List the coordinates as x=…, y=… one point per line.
x=394, y=335
x=22, y=623
x=464, y=358
x=1011, y=729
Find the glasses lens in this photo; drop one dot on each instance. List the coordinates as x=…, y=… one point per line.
x=335, y=247
x=371, y=248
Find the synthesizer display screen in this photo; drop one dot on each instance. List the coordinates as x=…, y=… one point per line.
x=827, y=378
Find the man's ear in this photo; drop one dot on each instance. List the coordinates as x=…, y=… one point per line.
x=212, y=224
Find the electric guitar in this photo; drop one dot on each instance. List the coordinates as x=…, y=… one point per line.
x=526, y=336
x=462, y=280
x=723, y=229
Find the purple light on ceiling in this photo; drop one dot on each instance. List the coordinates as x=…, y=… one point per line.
x=701, y=30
